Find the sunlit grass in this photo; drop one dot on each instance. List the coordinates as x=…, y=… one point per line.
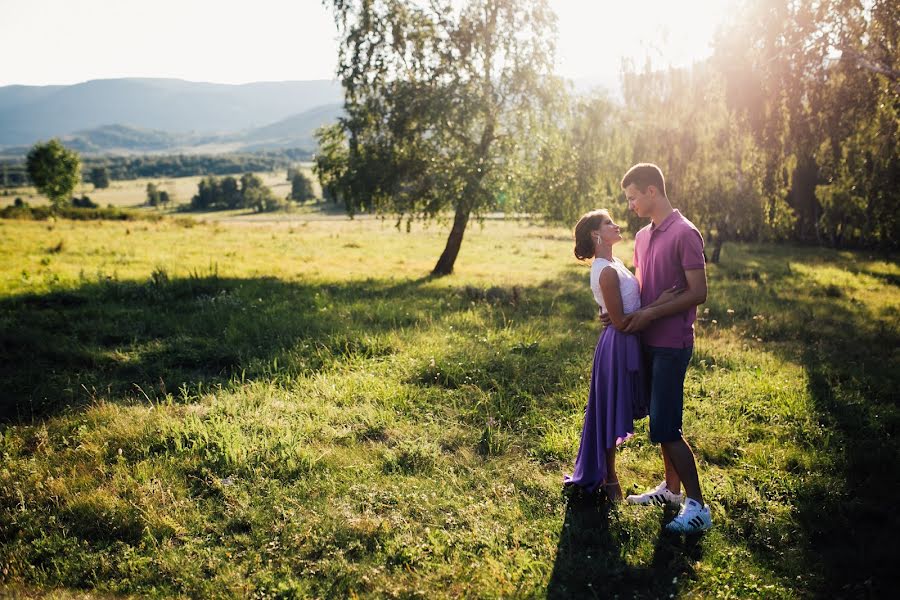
x=295, y=409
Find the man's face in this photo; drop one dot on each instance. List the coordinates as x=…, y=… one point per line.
x=641, y=203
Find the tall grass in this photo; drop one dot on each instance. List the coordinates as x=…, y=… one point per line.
x=296, y=410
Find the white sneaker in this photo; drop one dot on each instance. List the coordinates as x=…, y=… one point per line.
x=659, y=495
x=693, y=518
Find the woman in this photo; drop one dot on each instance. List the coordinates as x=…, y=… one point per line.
x=618, y=392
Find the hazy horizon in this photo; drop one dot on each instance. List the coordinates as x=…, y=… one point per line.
x=281, y=40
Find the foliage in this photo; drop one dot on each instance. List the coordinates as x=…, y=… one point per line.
x=301, y=187
x=156, y=196
x=437, y=98
x=227, y=193
x=100, y=177
x=84, y=202
x=819, y=85
x=167, y=166
x=55, y=170
x=576, y=162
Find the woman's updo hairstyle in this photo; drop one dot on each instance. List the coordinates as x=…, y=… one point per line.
x=584, y=243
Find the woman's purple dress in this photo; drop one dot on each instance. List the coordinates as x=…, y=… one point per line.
x=618, y=392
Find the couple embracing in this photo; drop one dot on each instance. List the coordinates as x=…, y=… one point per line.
x=642, y=356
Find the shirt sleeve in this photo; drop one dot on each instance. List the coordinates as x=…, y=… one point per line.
x=692, y=250
x=634, y=257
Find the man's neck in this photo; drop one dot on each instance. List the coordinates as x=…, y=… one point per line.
x=662, y=212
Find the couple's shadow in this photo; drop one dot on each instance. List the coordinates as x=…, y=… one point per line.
x=594, y=542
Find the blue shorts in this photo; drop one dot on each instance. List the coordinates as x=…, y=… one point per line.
x=667, y=368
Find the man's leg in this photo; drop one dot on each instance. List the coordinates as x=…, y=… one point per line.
x=673, y=481
x=668, y=367
x=683, y=463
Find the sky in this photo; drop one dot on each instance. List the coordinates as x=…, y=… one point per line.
x=52, y=42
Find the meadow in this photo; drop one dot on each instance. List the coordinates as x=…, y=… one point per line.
x=296, y=409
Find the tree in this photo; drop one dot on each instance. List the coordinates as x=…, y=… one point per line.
x=100, y=177
x=577, y=161
x=152, y=194
x=438, y=99
x=55, y=170
x=301, y=188
x=207, y=193
x=230, y=194
x=257, y=196
x=819, y=83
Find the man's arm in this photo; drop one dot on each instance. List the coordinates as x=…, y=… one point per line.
x=693, y=295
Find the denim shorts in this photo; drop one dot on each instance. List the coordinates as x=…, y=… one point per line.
x=667, y=368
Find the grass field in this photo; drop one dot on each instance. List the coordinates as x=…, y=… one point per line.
x=295, y=409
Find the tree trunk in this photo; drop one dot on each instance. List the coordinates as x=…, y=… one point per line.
x=445, y=263
x=717, y=250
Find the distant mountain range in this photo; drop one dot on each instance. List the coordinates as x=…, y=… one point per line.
x=167, y=115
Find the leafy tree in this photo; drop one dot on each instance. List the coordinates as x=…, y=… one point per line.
x=208, y=193
x=152, y=194
x=301, y=188
x=100, y=177
x=712, y=165
x=55, y=170
x=257, y=196
x=438, y=98
x=332, y=162
x=819, y=82
x=229, y=194
x=576, y=161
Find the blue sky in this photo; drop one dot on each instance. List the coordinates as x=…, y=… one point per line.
x=227, y=41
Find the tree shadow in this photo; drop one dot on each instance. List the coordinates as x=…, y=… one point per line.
x=853, y=369
x=158, y=338
x=850, y=357
x=592, y=549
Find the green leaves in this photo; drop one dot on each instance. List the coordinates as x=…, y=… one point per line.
x=55, y=170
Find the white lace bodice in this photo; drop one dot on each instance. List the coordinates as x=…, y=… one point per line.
x=628, y=284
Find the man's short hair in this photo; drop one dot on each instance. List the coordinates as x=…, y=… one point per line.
x=644, y=174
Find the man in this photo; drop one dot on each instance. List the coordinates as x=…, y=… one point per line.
x=668, y=254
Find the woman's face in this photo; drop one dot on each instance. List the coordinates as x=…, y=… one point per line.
x=609, y=233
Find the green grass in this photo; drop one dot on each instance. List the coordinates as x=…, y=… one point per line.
x=295, y=409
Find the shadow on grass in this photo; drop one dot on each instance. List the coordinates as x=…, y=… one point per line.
x=851, y=358
x=174, y=338
x=147, y=340
x=591, y=556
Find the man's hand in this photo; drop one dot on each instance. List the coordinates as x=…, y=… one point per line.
x=639, y=320
x=604, y=318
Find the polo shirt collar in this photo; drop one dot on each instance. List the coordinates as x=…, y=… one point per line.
x=666, y=222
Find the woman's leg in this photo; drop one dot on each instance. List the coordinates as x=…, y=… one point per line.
x=612, y=487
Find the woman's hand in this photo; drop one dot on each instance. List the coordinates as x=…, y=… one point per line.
x=668, y=295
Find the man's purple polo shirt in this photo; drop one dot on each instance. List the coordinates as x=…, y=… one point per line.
x=663, y=254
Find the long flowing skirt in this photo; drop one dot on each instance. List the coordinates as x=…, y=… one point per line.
x=619, y=394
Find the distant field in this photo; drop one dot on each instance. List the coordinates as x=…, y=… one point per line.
x=280, y=410
x=133, y=193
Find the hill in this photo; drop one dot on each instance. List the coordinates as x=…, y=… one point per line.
x=32, y=113
x=295, y=131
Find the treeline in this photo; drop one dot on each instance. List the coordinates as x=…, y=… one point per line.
x=789, y=132
x=14, y=172
x=248, y=192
